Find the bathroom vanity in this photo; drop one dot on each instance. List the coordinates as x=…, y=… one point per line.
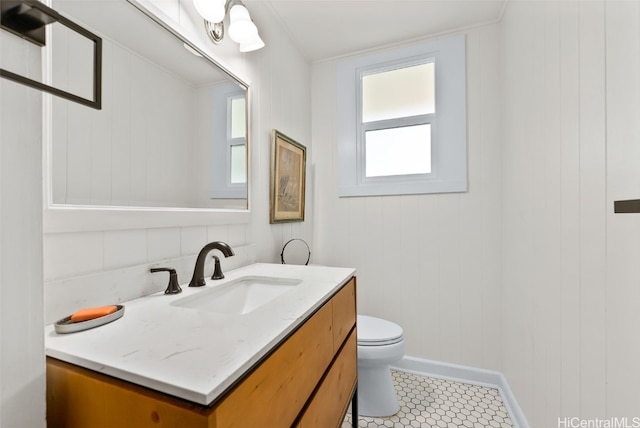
x=290, y=361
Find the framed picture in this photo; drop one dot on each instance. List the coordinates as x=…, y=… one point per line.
x=288, y=167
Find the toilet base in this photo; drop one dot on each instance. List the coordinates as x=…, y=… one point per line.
x=376, y=392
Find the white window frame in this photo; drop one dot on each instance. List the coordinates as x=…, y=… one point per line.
x=237, y=141
x=448, y=124
x=221, y=185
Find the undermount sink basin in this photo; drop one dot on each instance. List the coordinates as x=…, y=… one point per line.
x=239, y=296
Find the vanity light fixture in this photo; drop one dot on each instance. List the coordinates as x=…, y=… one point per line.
x=242, y=29
x=211, y=10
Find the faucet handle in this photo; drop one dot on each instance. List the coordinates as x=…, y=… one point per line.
x=217, y=269
x=174, y=286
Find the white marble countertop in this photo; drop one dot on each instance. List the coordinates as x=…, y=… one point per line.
x=193, y=354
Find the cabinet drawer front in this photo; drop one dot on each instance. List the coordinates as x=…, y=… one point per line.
x=81, y=398
x=344, y=313
x=273, y=394
x=329, y=403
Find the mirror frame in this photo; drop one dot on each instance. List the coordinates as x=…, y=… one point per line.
x=62, y=218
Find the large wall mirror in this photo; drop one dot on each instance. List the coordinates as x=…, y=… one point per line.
x=172, y=133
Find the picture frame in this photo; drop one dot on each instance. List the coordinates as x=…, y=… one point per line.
x=288, y=179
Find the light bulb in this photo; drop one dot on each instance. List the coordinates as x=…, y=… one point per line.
x=241, y=28
x=211, y=10
x=252, y=45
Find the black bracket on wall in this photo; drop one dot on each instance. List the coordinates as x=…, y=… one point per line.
x=27, y=19
x=626, y=207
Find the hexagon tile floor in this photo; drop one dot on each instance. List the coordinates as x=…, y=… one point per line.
x=427, y=402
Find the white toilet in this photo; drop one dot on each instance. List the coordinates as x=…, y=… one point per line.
x=380, y=343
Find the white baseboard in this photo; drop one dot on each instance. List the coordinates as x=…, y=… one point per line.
x=472, y=375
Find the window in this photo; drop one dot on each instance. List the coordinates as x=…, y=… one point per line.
x=396, y=108
x=237, y=139
x=228, y=139
x=402, y=121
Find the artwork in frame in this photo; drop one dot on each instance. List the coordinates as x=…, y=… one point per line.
x=288, y=167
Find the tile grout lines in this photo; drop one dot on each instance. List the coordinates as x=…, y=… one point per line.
x=427, y=402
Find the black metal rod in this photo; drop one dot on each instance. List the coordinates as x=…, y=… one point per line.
x=96, y=102
x=354, y=407
x=46, y=88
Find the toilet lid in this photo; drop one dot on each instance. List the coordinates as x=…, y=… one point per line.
x=375, y=331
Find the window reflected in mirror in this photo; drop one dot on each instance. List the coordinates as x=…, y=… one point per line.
x=238, y=140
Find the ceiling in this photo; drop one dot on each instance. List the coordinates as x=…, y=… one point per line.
x=324, y=29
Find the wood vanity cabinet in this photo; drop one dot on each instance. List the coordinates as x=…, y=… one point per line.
x=308, y=380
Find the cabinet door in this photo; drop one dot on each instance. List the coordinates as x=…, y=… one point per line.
x=344, y=313
x=273, y=394
x=81, y=398
x=329, y=404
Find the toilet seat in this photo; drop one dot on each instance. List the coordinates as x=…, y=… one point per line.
x=377, y=332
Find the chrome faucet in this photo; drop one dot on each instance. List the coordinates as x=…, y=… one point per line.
x=198, y=273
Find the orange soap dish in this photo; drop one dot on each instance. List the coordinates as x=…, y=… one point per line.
x=66, y=325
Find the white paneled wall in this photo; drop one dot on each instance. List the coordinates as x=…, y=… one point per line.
x=22, y=377
x=570, y=267
x=431, y=263
x=622, y=292
x=101, y=266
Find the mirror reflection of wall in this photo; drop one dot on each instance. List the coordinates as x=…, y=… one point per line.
x=172, y=130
